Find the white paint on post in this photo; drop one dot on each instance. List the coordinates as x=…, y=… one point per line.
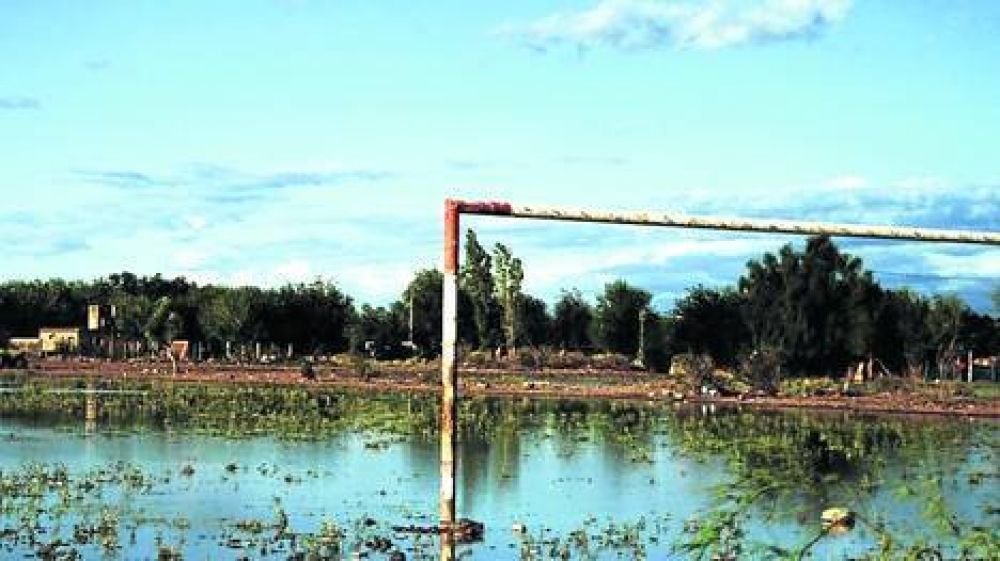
x=449, y=380
x=449, y=357
x=755, y=225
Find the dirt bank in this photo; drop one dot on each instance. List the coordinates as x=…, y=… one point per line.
x=607, y=384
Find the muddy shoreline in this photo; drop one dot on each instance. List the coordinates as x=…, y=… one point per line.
x=566, y=384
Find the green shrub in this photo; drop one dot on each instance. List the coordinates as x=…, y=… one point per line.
x=805, y=387
x=694, y=371
x=761, y=368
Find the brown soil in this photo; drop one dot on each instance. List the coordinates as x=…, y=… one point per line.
x=607, y=384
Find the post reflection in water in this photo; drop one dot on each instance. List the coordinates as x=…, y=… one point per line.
x=447, y=546
x=487, y=469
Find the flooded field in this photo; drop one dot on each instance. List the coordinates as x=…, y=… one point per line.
x=212, y=472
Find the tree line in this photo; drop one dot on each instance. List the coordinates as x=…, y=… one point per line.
x=152, y=311
x=811, y=311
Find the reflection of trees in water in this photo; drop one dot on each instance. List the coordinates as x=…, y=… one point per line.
x=495, y=430
x=785, y=449
x=783, y=466
x=790, y=466
x=810, y=453
x=571, y=424
x=810, y=456
x=489, y=448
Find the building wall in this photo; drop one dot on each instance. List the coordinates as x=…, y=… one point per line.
x=56, y=339
x=26, y=344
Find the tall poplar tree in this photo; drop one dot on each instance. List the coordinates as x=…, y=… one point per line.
x=507, y=287
x=477, y=281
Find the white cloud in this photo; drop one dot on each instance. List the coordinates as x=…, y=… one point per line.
x=984, y=263
x=196, y=222
x=847, y=182
x=920, y=183
x=697, y=24
x=202, y=277
x=561, y=268
x=291, y=271
x=377, y=281
x=189, y=258
x=241, y=278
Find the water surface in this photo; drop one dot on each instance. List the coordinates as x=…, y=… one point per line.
x=587, y=479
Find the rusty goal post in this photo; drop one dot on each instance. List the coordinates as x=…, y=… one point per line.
x=453, y=209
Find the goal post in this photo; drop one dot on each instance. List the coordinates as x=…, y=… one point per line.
x=453, y=209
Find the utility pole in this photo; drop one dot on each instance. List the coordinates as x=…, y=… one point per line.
x=640, y=358
x=112, y=328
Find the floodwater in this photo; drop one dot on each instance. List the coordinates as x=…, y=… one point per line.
x=588, y=480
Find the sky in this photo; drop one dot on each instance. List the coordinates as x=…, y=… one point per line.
x=272, y=141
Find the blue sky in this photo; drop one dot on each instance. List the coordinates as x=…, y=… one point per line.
x=267, y=141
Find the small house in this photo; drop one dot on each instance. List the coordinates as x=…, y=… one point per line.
x=60, y=339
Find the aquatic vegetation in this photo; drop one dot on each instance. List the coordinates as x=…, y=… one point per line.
x=231, y=411
x=785, y=464
x=59, y=514
x=95, y=518
x=594, y=540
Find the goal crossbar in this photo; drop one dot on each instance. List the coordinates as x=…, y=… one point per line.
x=676, y=220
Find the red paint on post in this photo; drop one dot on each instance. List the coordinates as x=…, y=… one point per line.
x=451, y=210
x=497, y=208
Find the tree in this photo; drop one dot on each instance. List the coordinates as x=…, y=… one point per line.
x=763, y=289
x=312, y=317
x=383, y=326
x=477, y=281
x=709, y=321
x=227, y=315
x=980, y=333
x=903, y=338
x=535, y=323
x=814, y=310
x=423, y=299
x=28, y=305
x=132, y=313
x=656, y=342
x=572, y=321
x=507, y=287
x=944, y=322
x=163, y=326
x=617, y=317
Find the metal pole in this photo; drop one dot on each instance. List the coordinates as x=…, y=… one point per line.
x=641, y=353
x=411, y=317
x=449, y=378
